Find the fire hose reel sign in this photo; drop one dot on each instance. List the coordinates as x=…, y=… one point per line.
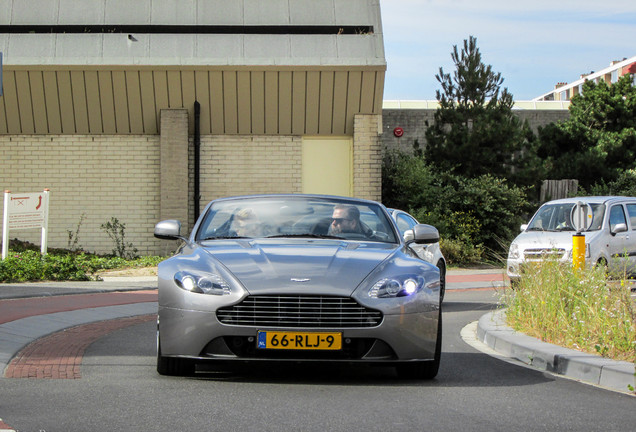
x=26, y=211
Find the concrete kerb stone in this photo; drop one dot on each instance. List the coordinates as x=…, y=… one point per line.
x=590, y=368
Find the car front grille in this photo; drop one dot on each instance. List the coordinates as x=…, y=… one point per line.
x=539, y=254
x=299, y=311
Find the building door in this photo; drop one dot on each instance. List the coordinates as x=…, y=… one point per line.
x=327, y=166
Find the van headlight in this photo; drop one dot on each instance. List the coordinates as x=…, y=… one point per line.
x=513, y=252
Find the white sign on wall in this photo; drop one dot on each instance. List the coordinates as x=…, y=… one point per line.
x=25, y=211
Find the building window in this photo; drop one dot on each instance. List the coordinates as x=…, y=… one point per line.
x=614, y=76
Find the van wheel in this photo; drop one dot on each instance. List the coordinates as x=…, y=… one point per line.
x=602, y=263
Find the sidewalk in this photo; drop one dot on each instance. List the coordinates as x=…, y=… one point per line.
x=458, y=279
x=43, y=289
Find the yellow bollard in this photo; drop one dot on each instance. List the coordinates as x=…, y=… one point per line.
x=578, y=251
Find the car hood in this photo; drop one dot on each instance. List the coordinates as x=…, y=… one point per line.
x=547, y=239
x=300, y=266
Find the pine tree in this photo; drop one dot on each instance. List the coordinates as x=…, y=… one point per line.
x=475, y=131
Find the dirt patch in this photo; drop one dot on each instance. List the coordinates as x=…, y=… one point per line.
x=136, y=271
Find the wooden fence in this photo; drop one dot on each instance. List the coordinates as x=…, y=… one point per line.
x=557, y=189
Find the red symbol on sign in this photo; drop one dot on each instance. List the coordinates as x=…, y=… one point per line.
x=39, y=203
x=398, y=132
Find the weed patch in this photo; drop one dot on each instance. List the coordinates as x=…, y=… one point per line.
x=580, y=309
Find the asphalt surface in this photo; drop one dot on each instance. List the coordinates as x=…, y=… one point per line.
x=31, y=311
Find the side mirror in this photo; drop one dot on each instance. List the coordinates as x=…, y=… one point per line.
x=523, y=227
x=168, y=230
x=618, y=228
x=424, y=234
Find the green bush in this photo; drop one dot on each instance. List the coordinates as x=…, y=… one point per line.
x=28, y=265
x=624, y=185
x=458, y=252
x=116, y=230
x=479, y=213
x=32, y=266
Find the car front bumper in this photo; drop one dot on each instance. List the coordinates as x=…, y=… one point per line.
x=200, y=335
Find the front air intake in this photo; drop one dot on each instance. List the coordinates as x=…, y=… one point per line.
x=299, y=311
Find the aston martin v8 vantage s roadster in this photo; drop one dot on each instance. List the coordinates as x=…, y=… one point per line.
x=298, y=278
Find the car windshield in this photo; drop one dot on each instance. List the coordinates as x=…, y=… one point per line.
x=296, y=216
x=556, y=217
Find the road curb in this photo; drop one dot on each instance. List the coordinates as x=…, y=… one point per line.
x=590, y=368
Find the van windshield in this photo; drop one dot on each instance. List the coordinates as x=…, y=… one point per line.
x=556, y=217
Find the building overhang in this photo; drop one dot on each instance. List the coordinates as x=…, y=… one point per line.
x=127, y=99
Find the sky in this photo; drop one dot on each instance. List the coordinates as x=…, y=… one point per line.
x=534, y=44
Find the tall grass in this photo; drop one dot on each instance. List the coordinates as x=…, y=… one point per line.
x=581, y=309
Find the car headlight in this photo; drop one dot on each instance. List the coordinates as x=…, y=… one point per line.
x=513, y=253
x=396, y=287
x=210, y=283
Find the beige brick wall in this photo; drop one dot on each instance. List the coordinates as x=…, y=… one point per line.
x=367, y=156
x=174, y=167
x=99, y=176
x=238, y=165
x=120, y=176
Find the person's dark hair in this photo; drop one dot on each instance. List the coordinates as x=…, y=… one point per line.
x=351, y=212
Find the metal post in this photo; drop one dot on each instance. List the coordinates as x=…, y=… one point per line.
x=578, y=251
x=45, y=224
x=579, y=220
x=5, y=225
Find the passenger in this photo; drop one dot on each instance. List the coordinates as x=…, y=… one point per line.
x=246, y=223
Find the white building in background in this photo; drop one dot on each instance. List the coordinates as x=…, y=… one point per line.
x=611, y=74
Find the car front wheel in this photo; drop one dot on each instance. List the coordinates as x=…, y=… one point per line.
x=424, y=370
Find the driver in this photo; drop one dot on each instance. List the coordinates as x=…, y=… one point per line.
x=345, y=219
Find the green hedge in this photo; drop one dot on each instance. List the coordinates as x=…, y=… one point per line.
x=28, y=265
x=476, y=214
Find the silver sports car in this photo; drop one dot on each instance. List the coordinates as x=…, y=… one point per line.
x=298, y=278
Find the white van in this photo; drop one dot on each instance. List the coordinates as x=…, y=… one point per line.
x=610, y=240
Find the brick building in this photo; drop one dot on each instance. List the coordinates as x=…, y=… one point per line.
x=99, y=101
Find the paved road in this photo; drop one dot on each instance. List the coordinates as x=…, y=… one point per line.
x=120, y=390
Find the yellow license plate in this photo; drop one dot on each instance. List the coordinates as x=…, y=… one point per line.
x=299, y=340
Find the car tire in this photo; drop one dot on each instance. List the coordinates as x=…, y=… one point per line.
x=173, y=366
x=442, y=280
x=424, y=370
